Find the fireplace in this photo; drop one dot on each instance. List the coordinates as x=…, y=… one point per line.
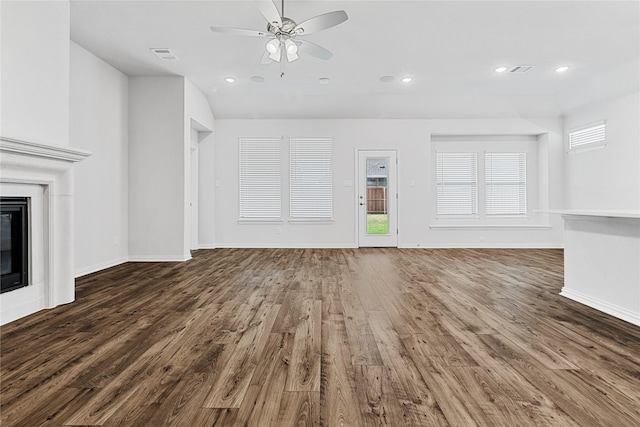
x=42, y=175
x=14, y=243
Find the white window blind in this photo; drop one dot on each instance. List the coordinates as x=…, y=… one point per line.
x=260, y=185
x=585, y=137
x=506, y=184
x=311, y=182
x=457, y=183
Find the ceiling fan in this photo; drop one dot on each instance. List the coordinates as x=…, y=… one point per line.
x=284, y=33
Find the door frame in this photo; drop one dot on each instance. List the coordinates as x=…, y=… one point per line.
x=391, y=239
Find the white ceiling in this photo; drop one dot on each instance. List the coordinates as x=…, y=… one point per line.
x=450, y=48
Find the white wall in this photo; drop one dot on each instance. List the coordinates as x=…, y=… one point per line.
x=156, y=168
x=162, y=112
x=99, y=124
x=34, y=104
x=35, y=71
x=607, y=178
x=412, y=140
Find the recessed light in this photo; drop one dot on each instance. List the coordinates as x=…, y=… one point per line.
x=257, y=79
x=230, y=79
x=562, y=69
x=323, y=80
x=406, y=79
x=501, y=69
x=213, y=89
x=387, y=79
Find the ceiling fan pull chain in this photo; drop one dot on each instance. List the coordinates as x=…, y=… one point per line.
x=282, y=61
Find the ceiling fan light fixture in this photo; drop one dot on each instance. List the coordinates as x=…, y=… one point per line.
x=291, y=56
x=273, y=46
x=275, y=56
x=291, y=47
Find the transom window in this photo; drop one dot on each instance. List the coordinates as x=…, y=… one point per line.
x=590, y=136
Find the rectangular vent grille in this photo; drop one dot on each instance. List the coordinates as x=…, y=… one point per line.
x=522, y=69
x=164, y=54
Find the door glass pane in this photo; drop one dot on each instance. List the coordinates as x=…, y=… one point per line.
x=377, y=196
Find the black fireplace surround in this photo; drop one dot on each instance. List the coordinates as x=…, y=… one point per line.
x=14, y=243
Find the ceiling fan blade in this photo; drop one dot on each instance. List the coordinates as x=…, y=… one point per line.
x=322, y=22
x=266, y=59
x=270, y=12
x=307, y=47
x=239, y=32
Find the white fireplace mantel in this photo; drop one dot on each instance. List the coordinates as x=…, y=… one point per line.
x=34, y=149
x=45, y=174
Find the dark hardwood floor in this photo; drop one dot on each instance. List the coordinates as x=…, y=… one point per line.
x=333, y=337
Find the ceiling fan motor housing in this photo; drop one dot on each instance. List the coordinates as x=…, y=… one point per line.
x=287, y=29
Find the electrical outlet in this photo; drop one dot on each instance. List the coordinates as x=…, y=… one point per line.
x=483, y=239
x=278, y=230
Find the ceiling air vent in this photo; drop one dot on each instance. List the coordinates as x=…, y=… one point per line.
x=522, y=69
x=164, y=54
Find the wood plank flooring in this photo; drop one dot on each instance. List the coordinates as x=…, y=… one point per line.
x=332, y=337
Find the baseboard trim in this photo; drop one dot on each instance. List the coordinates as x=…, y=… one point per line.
x=281, y=246
x=207, y=246
x=158, y=258
x=482, y=246
x=603, y=306
x=98, y=267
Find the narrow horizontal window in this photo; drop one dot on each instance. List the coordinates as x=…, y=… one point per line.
x=590, y=136
x=260, y=178
x=457, y=184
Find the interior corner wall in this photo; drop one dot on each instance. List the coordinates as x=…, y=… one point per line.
x=156, y=168
x=99, y=123
x=198, y=118
x=35, y=71
x=606, y=178
x=207, y=192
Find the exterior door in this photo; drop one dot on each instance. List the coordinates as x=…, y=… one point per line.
x=377, y=198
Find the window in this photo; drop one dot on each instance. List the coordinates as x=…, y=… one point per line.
x=505, y=184
x=311, y=183
x=457, y=184
x=590, y=136
x=260, y=178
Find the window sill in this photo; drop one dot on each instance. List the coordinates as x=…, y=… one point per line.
x=259, y=221
x=311, y=221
